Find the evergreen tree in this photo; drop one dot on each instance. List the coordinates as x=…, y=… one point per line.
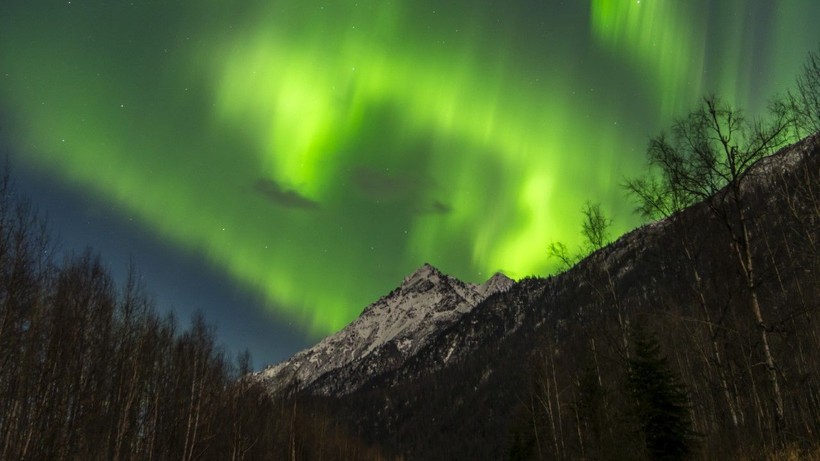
x=662, y=404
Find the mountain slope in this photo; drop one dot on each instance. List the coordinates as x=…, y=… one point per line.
x=467, y=393
x=384, y=336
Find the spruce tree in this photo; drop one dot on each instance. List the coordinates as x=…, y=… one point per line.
x=662, y=404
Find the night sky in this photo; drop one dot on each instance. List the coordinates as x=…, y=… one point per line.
x=280, y=164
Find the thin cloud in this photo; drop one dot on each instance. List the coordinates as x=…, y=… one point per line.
x=280, y=196
x=436, y=207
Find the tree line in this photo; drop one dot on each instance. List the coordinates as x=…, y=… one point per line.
x=89, y=370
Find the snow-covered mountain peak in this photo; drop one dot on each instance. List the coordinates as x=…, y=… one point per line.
x=426, y=270
x=422, y=279
x=498, y=283
x=387, y=332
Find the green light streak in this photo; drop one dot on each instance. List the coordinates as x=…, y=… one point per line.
x=385, y=135
x=660, y=36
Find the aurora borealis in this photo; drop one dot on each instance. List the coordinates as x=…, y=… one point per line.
x=315, y=152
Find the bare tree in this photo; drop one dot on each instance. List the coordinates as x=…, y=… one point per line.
x=657, y=196
x=708, y=158
x=595, y=228
x=804, y=100
x=559, y=251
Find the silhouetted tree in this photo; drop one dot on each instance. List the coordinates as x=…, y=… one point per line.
x=708, y=159
x=595, y=228
x=661, y=402
x=804, y=101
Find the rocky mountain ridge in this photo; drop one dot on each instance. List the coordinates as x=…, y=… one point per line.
x=384, y=336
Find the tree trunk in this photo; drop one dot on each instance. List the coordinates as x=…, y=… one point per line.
x=744, y=254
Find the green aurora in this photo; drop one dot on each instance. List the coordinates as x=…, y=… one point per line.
x=318, y=151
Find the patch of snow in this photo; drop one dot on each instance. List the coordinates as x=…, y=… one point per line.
x=424, y=304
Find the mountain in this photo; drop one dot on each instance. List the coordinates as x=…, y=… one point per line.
x=384, y=336
x=440, y=369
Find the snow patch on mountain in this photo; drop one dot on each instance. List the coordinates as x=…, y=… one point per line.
x=387, y=332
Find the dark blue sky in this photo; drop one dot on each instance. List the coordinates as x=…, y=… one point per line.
x=179, y=281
